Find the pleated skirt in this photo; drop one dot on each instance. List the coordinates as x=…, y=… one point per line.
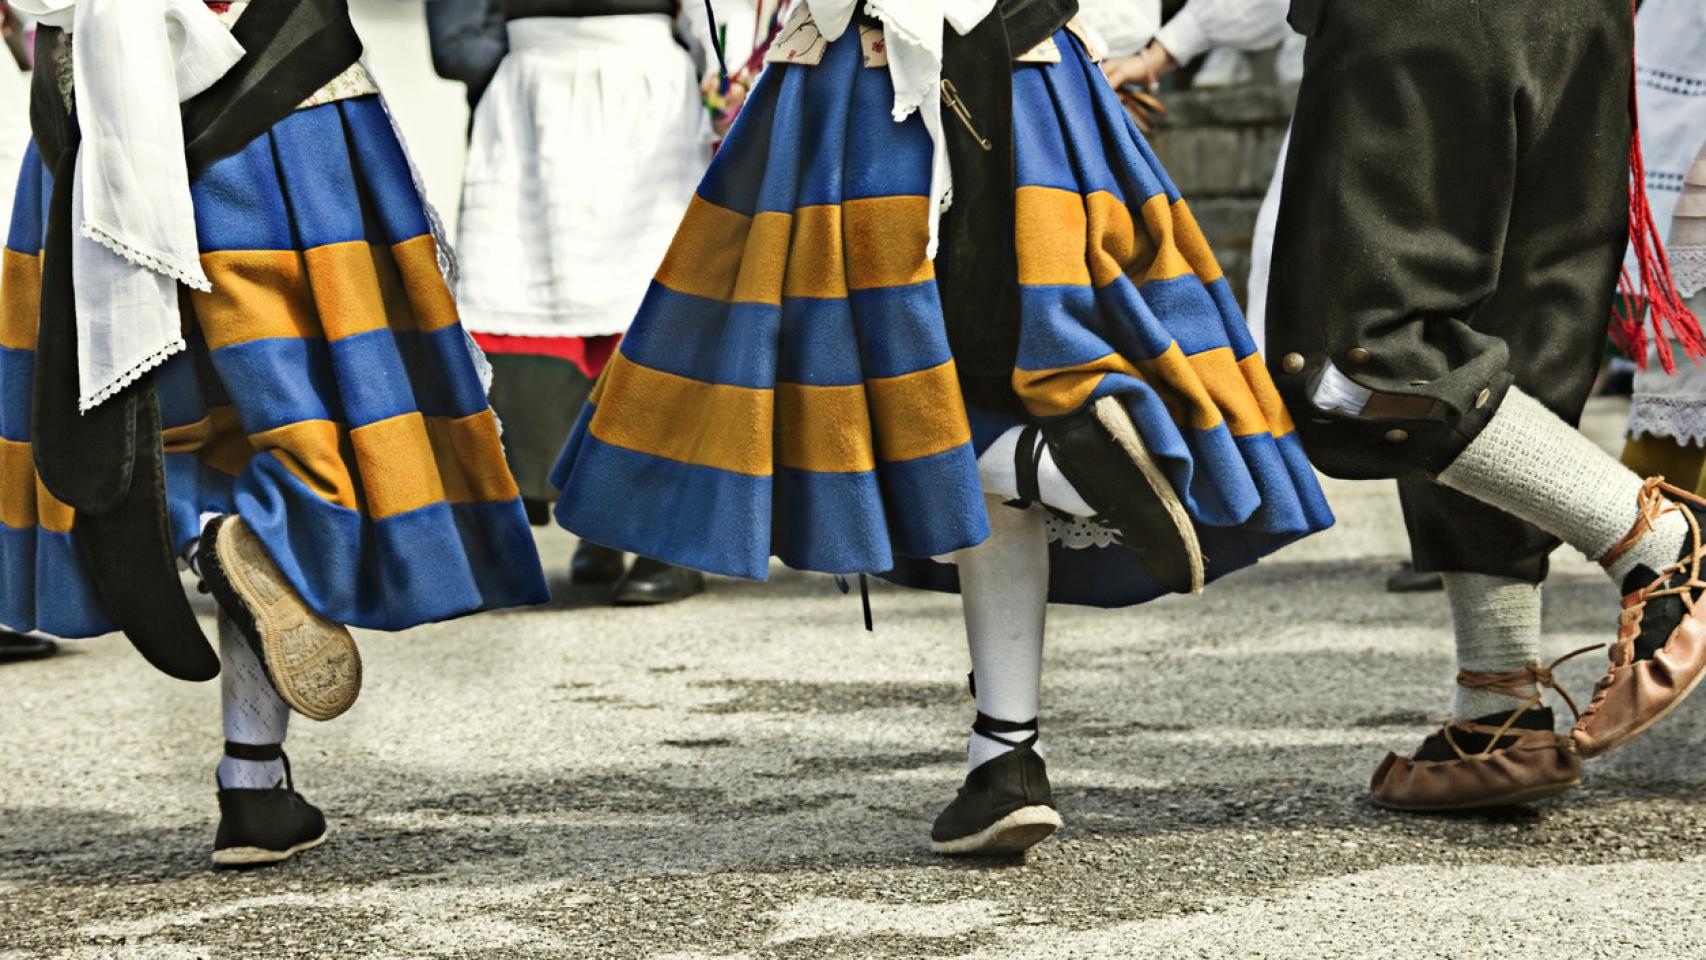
x=329, y=396
x=787, y=388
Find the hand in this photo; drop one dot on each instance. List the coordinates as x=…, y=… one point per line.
x=1134, y=79
x=725, y=106
x=1146, y=109
x=1149, y=66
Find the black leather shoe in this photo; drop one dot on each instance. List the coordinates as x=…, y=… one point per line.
x=1005, y=806
x=1101, y=453
x=594, y=564
x=1407, y=580
x=652, y=582
x=18, y=647
x=258, y=828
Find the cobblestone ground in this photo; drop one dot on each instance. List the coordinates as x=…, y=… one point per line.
x=751, y=775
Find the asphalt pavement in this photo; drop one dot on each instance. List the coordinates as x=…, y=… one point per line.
x=750, y=774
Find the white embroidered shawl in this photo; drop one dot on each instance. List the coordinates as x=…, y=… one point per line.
x=135, y=61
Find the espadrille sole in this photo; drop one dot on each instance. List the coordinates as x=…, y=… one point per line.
x=1015, y=833
x=312, y=661
x=238, y=857
x=1184, y=563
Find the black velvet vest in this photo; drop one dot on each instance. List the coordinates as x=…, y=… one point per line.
x=977, y=261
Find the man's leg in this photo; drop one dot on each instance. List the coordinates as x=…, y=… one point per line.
x=1454, y=280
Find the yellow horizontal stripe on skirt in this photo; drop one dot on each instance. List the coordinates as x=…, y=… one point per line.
x=830, y=429
x=217, y=438
x=1070, y=239
x=20, y=299
x=689, y=421
x=411, y=461
x=333, y=291
x=24, y=502
x=460, y=461
x=752, y=431
x=1201, y=391
x=819, y=251
x=384, y=452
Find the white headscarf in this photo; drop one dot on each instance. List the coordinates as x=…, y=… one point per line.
x=912, y=32
x=135, y=61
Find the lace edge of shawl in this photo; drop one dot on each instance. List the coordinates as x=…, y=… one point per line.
x=192, y=277
x=131, y=374
x=910, y=101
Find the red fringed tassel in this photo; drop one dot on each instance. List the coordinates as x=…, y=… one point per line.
x=1653, y=288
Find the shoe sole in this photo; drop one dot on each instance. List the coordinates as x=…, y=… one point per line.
x=1015, y=833
x=1644, y=725
x=649, y=602
x=238, y=857
x=314, y=663
x=1515, y=798
x=1117, y=422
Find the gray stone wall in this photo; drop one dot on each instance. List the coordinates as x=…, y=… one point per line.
x=1220, y=146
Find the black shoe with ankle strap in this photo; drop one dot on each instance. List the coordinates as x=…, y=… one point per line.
x=1006, y=805
x=259, y=828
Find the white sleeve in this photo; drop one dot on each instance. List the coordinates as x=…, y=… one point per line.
x=1242, y=24
x=1122, y=26
x=694, y=26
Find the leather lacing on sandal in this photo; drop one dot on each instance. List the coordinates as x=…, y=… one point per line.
x=1529, y=683
x=1658, y=498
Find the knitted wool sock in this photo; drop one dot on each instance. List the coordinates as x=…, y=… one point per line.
x=1497, y=622
x=1532, y=465
x=1004, y=590
x=253, y=712
x=999, y=475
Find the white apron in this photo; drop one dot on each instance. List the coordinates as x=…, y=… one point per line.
x=586, y=149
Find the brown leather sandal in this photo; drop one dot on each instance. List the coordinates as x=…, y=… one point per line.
x=1484, y=763
x=1660, y=653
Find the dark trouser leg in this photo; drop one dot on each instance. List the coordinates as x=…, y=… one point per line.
x=1424, y=247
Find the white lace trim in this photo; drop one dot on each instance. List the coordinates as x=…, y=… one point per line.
x=1080, y=533
x=907, y=102
x=129, y=376
x=189, y=276
x=1679, y=418
x=1688, y=270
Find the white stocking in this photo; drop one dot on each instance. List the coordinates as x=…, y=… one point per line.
x=1004, y=589
x=253, y=712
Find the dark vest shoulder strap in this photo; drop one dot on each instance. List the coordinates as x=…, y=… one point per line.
x=1030, y=22
x=294, y=47
x=50, y=123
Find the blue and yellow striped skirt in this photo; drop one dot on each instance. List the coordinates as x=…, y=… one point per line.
x=787, y=388
x=328, y=396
